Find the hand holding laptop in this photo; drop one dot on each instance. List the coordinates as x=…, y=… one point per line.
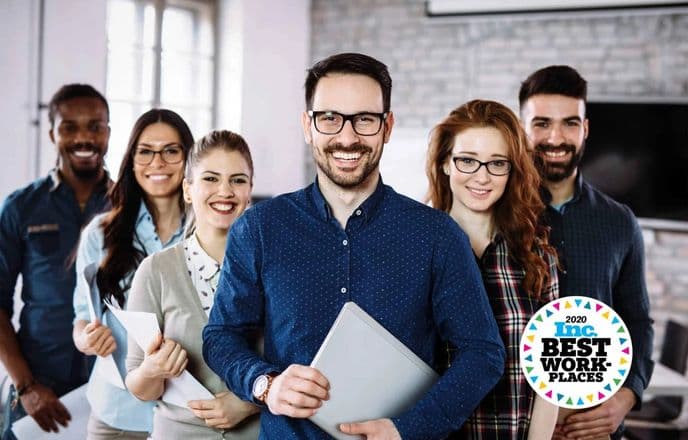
x=380, y=429
x=298, y=392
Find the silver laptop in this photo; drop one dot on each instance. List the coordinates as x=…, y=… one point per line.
x=372, y=375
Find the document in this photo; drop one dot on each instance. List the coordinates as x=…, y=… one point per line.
x=372, y=375
x=143, y=328
x=104, y=367
x=76, y=403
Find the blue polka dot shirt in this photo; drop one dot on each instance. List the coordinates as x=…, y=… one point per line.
x=290, y=267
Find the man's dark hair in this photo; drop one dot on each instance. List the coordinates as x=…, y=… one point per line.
x=554, y=80
x=72, y=91
x=355, y=63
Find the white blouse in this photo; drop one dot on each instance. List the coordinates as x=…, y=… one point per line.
x=203, y=270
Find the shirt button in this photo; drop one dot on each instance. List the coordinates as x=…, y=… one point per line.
x=358, y=212
x=345, y=242
x=343, y=290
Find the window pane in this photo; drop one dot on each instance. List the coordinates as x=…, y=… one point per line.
x=194, y=72
x=130, y=74
x=122, y=26
x=178, y=30
x=122, y=118
x=186, y=61
x=148, y=27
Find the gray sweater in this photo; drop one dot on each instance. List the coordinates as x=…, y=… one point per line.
x=162, y=286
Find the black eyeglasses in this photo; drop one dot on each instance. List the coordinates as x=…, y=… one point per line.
x=171, y=154
x=364, y=124
x=468, y=165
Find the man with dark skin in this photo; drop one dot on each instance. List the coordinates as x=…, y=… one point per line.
x=39, y=229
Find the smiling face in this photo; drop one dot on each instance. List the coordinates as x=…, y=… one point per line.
x=158, y=178
x=347, y=159
x=479, y=191
x=219, y=190
x=81, y=133
x=557, y=128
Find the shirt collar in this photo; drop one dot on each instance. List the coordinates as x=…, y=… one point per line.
x=319, y=201
x=144, y=215
x=370, y=206
x=56, y=180
x=577, y=191
x=145, y=226
x=365, y=209
x=577, y=186
x=204, y=264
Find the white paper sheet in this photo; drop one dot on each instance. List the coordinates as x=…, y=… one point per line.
x=76, y=403
x=143, y=328
x=104, y=367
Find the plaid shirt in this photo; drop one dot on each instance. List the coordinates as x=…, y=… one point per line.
x=505, y=411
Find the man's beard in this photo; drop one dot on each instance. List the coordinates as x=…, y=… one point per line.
x=556, y=172
x=347, y=181
x=87, y=174
x=82, y=173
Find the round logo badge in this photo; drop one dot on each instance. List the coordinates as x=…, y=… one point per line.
x=576, y=352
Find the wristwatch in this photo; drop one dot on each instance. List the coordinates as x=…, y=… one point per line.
x=261, y=386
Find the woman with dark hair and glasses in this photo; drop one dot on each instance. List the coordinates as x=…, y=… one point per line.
x=481, y=174
x=178, y=286
x=147, y=216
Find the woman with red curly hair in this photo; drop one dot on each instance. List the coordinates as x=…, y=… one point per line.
x=481, y=174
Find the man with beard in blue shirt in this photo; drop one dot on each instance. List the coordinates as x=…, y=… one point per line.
x=39, y=230
x=293, y=261
x=599, y=242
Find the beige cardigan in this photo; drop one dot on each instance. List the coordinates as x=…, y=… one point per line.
x=163, y=286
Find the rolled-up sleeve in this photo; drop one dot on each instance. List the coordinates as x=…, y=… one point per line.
x=90, y=251
x=11, y=252
x=237, y=313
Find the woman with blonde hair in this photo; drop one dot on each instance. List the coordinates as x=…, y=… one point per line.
x=178, y=286
x=480, y=173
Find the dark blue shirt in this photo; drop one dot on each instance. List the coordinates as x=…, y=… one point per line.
x=601, y=253
x=290, y=267
x=39, y=232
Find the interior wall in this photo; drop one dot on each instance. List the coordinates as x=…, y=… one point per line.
x=16, y=105
x=74, y=50
x=264, y=47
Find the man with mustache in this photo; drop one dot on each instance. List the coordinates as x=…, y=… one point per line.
x=39, y=230
x=599, y=242
x=292, y=263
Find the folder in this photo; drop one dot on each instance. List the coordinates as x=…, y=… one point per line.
x=372, y=375
x=105, y=367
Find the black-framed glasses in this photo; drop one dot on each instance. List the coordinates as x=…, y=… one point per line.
x=171, y=154
x=469, y=165
x=364, y=124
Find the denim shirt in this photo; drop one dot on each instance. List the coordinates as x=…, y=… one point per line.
x=115, y=406
x=289, y=268
x=39, y=231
